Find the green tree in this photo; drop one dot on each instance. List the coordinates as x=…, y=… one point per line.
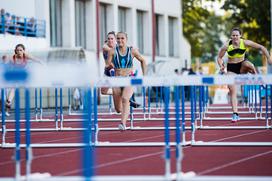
x=253, y=17
x=202, y=29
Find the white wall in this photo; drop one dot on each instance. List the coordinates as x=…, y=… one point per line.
x=31, y=44
x=19, y=7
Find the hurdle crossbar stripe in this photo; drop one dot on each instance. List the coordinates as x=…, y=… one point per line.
x=72, y=77
x=146, y=178
x=239, y=144
x=97, y=144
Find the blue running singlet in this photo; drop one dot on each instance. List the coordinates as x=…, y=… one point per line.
x=122, y=61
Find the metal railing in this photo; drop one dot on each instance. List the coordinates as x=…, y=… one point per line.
x=29, y=27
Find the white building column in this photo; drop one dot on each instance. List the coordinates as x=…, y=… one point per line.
x=115, y=16
x=42, y=12
x=68, y=23
x=132, y=26
x=90, y=24
x=166, y=37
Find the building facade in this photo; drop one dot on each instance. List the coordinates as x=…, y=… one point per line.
x=73, y=23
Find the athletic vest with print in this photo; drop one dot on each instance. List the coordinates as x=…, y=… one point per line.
x=236, y=52
x=122, y=61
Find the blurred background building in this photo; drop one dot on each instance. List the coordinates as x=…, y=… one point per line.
x=74, y=23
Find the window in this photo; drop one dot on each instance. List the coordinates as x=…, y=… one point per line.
x=173, y=32
x=80, y=23
x=140, y=30
x=103, y=23
x=171, y=36
x=159, y=35
x=56, y=23
x=122, y=19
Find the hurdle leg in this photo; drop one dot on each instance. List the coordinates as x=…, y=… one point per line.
x=95, y=118
x=131, y=117
x=144, y=105
x=149, y=101
x=270, y=105
x=192, y=115
x=56, y=109
x=178, y=145
x=17, y=135
x=41, y=105
x=3, y=117
x=110, y=104
x=69, y=102
x=260, y=103
x=61, y=109
x=167, y=135
x=28, y=137
x=87, y=158
x=266, y=106
x=183, y=115
x=36, y=104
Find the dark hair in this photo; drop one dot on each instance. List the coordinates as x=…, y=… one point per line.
x=236, y=29
x=111, y=33
x=19, y=45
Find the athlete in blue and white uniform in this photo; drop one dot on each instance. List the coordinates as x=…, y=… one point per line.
x=121, y=58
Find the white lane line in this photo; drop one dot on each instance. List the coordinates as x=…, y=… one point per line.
x=114, y=162
x=240, y=135
x=127, y=159
x=43, y=156
x=234, y=163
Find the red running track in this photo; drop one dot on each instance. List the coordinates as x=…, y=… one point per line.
x=250, y=161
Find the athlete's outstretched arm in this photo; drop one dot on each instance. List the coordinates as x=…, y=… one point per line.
x=260, y=47
x=141, y=59
x=34, y=59
x=109, y=63
x=221, y=54
x=106, y=47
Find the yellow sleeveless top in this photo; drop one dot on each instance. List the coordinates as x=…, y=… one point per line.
x=236, y=52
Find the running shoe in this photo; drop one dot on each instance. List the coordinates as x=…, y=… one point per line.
x=134, y=104
x=122, y=127
x=7, y=113
x=235, y=118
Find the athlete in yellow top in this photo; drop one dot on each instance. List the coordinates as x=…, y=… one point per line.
x=236, y=48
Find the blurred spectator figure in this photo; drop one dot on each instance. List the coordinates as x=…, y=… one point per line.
x=8, y=20
x=5, y=59
x=2, y=12
x=199, y=71
x=176, y=71
x=184, y=71
x=14, y=27
x=191, y=72
x=5, y=21
x=2, y=19
x=31, y=27
x=19, y=26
